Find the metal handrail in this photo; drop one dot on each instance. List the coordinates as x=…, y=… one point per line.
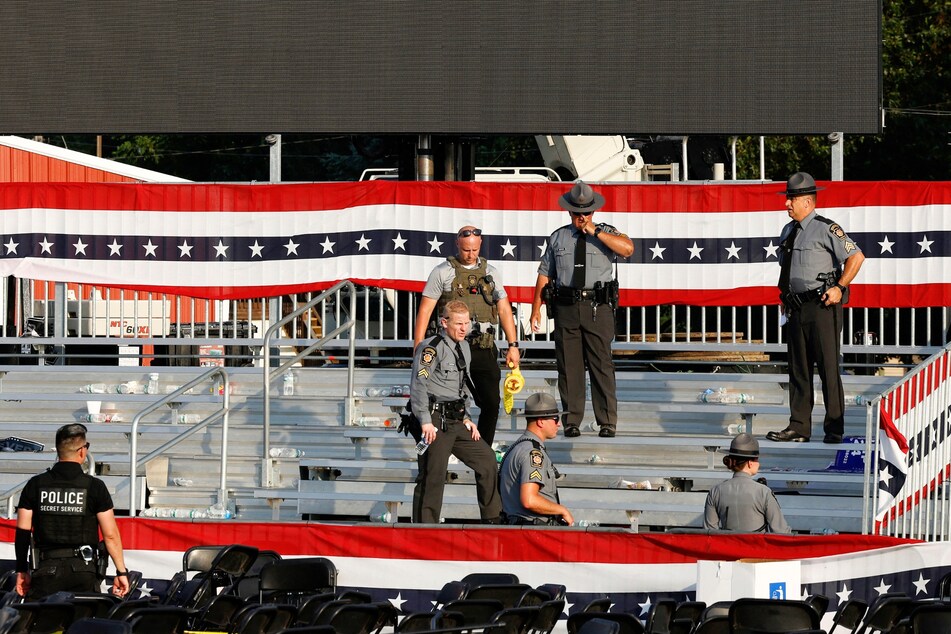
x=267, y=476
x=221, y=413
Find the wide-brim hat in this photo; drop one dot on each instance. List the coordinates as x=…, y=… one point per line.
x=744, y=447
x=541, y=405
x=581, y=199
x=800, y=184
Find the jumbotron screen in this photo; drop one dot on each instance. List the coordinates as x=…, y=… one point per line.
x=426, y=66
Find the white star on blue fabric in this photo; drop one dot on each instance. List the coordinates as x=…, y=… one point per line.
x=185, y=249
x=921, y=586
x=46, y=246
x=882, y=587
x=886, y=245
x=434, y=244
x=221, y=249
x=695, y=251
x=646, y=606
x=733, y=250
x=256, y=249
x=884, y=477
x=542, y=248
x=80, y=246
x=291, y=246
x=364, y=243
x=657, y=251
x=115, y=248
x=398, y=601
x=844, y=594
x=508, y=248
x=11, y=246
x=771, y=250
x=925, y=244
x=328, y=245
x=399, y=242
x=149, y=248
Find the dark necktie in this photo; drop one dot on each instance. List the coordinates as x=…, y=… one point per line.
x=787, y=248
x=577, y=275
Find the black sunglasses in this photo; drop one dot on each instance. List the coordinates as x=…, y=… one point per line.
x=581, y=213
x=86, y=447
x=465, y=233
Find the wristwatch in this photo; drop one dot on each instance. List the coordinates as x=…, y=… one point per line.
x=597, y=231
x=840, y=287
x=513, y=344
x=124, y=573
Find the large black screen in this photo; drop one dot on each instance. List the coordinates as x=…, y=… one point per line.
x=421, y=66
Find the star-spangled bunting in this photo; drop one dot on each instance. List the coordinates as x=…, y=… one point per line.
x=254, y=239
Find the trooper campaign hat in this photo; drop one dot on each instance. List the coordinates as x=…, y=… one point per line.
x=582, y=199
x=744, y=447
x=800, y=184
x=541, y=405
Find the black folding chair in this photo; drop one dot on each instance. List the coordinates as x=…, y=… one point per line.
x=660, y=615
x=291, y=580
x=760, y=616
x=510, y=594
x=480, y=578
x=849, y=615
x=628, y=623
x=99, y=626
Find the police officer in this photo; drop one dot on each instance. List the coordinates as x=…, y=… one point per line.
x=741, y=504
x=818, y=261
x=438, y=399
x=471, y=279
x=527, y=476
x=578, y=267
x=62, y=511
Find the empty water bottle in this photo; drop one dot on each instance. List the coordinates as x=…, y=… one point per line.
x=372, y=392
x=219, y=511
x=384, y=518
x=370, y=421
x=94, y=388
x=288, y=384
x=285, y=452
x=129, y=387
x=101, y=417
x=736, y=428
x=152, y=387
x=396, y=390
x=188, y=419
x=857, y=399
x=421, y=447
x=182, y=482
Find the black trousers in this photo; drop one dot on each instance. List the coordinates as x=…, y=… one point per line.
x=583, y=337
x=485, y=373
x=71, y=574
x=812, y=339
x=433, y=466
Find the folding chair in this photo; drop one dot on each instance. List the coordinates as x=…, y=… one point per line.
x=99, y=626
x=849, y=615
x=628, y=623
x=660, y=615
x=759, y=616
x=510, y=594
x=290, y=580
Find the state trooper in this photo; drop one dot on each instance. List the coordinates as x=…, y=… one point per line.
x=469, y=278
x=527, y=476
x=818, y=261
x=62, y=511
x=438, y=395
x=742, y=504
x=576, y=279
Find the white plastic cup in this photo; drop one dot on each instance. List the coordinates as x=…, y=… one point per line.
x=93, y=407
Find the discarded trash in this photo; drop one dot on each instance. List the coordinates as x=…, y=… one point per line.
x=182, y=482
x=285, y=452
x=722, y=395
x=643, y=485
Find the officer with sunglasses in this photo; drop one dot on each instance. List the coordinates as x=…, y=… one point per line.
x=62, y=512
x=577, y=276
x=472, y=280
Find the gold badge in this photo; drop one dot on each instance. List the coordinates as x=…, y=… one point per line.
x=429, y=355
x=837, y=231
x=535, y=475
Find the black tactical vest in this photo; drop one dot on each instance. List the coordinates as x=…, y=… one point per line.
x=471, y=287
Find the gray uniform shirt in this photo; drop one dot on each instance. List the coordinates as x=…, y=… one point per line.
x=820, y=247
x=558, y=261
x=740, y=504
x=524, y=463
x=436, y=373
x=441, y=279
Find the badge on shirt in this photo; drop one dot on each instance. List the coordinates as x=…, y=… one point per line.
x=837, y=231
x=536, y=457
x=429, y=355
x=535, y=475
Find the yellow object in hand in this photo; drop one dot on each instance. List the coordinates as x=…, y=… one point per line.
x=512, y=385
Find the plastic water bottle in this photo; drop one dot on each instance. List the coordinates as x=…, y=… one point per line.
x=219, y=511
x=288, y=384
x=595, y=459
x=94, y=388
x=188, y=419
x=370, y=421
x=396, y=390
x=129, y=387
x=383, y=518
x=285, y=452
x=152, y=387
x=710, y=395
x=736, y=428
x=421, y=447
x=857, y=399
x=182, y=482
x=101, y=418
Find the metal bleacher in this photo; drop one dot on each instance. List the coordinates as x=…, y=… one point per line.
x=654, y=474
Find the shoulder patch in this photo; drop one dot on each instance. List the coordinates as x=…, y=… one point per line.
x=849, y=246
x=429, y=355
x=536, y=457
x=535, y=475
x=837, y=231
